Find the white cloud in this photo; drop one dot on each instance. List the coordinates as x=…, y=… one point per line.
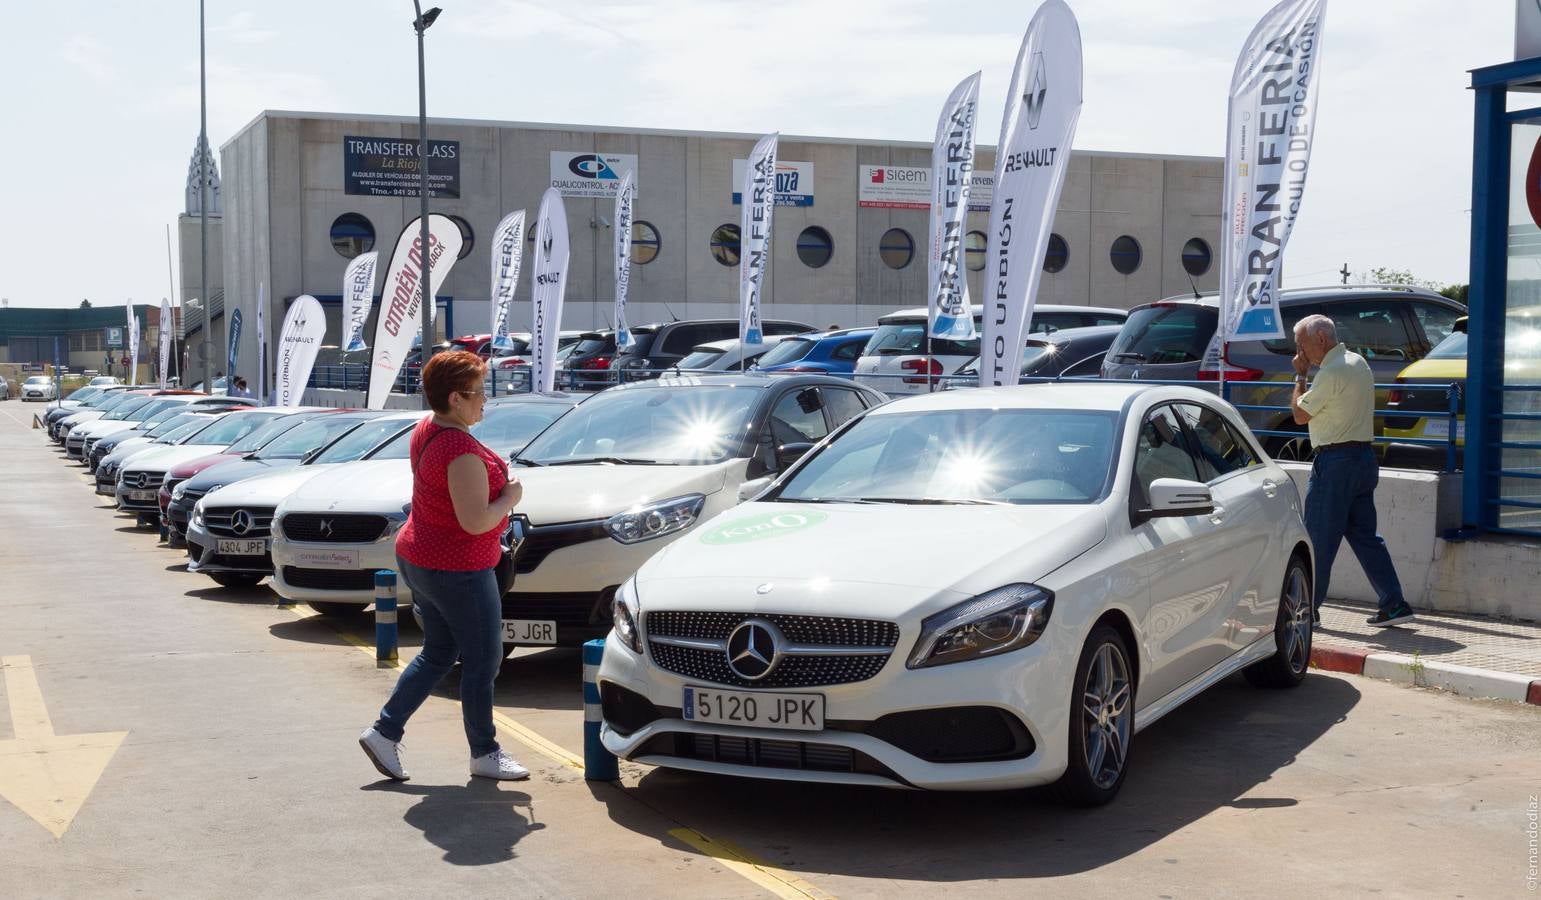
x=241, y=28
x=89, y=56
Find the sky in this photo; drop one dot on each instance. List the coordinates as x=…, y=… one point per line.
x=102, y=115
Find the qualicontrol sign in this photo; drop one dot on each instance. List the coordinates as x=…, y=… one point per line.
x=581, y=173
x=794, y=182
x=909, y=187
x=387, y=167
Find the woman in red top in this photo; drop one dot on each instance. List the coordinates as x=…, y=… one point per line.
x=461, y=495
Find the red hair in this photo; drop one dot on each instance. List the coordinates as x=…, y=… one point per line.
x=455, y=370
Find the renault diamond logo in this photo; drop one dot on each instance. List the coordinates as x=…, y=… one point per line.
x=754, y=648
x=1037, y=89
x=326, y=527
x=241, y=521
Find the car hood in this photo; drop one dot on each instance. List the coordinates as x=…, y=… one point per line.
x=84, y=415
x=576, y=493
x=263, y=490
x=98, y=428
x=238, y=469
x=1444, y=370
x=128, y=450
x=189, y=469
x=370, y=486
x=164, y=457
x=910, y=551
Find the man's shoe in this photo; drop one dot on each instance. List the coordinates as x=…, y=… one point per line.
x=384, y=753
x=1316, y=621
x=499, y=765
x=1400, y=617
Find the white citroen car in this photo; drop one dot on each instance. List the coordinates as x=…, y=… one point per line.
x=336, y=530
x=971, y=590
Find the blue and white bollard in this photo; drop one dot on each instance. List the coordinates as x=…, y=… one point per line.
x=598, y=763
x=385, y=615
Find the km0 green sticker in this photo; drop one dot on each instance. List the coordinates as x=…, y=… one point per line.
x=756, y=528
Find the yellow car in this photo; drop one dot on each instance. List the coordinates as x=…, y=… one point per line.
x=1427, y=393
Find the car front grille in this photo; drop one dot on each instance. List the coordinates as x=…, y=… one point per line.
x=820, y=650
x=541, y=542
x=223, y=521
x=327, y=528
x=330, y=579
x=139, y=480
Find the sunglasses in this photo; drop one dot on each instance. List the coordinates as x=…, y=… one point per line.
x=470, y=394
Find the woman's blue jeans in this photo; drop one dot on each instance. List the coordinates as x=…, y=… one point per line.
x=462, y=616
x=1340, y=505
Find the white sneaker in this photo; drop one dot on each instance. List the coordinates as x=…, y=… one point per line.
x=499, y=765
x=384, y=753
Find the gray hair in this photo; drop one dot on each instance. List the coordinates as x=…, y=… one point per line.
x=1318, y=326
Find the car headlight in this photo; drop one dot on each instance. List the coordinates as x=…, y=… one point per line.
x=197, y=516
x=654, y=520
x=395, y=521
x=180, y=491
x=624, y=611
x=992, y=623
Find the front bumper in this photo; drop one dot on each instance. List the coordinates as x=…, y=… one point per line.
x=203, y=556
x=305, y=571
x=858, y=745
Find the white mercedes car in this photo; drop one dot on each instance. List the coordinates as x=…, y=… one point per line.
x=336, y=530
x=970, y=590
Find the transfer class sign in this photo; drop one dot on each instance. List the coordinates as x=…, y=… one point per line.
x=388, y=167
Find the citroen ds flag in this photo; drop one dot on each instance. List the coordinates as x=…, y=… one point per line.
x=551, y=253
x=298, y=344
x=165, y=331
x=402, y=295
x=624, y=199
x=261, y=395
x=358, y=295
x=952, y=165
x=759, y=200
x=232, y=349
x=507, y=254
x=1271, y=125
x=1042, y=107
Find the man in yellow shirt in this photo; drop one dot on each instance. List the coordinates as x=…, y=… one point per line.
x=1339, y=409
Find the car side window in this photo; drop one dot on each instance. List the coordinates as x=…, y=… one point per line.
x=1372, y=329
x=682, y=339
x=1162, y=451
x=1220, y=450
x=1437, y=321
x=797, y=418
x=850, y=351
x=843, y=405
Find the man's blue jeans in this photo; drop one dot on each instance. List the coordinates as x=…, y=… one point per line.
x=462, y=616
x=1340, y=505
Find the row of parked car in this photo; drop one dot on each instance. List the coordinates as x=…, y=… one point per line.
x=1063, y=578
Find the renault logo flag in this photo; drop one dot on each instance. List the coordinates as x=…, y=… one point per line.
x=165, y=330
x=952, y=168
x=233, y=347
x=507, y=254
x=401, y=298
x=550, y=287
x=358, y=295
x=1270, y=128
x=759, y=196
x=1038, y=128
x=298, y=344
x=624, y=199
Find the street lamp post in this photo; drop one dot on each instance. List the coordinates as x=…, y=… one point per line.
x=420, y=25
x=203, y=197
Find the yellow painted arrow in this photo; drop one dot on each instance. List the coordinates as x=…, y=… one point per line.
x=45, y=775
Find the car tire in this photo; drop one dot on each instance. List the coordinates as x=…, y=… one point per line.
x=1290, y=448
x=234, y=580
x=1291, y=633
x=334, y=610
x=1104, y=672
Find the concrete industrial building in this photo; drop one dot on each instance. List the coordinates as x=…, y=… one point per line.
x=303, y=192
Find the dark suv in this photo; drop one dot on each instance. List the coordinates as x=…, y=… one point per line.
x=1389, y=325
x=661, y=345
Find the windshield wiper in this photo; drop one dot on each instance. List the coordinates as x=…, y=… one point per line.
x=524, y=462
x=1130, y=354
x=932, y=501
x=817, y=500
x=617, y=460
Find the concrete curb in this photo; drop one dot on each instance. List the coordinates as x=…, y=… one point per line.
x=1464, y=681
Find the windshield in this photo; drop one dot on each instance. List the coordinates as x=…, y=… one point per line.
x=506, y=429
x=909, y=337
x=586, y=345
x=167, y=424
x=1018, y=456
x=183, y=431
x=685, y=425
x=123, y=410
x=1165, y=334
x=516, y=347
x=260, y=436
x=83, y=394
x=789, y=350
x=701, y=357
x=229, y=428
x=38, y=379
x=363, y=439
x=151, y=409
x=295, y=444
x=1452, y=347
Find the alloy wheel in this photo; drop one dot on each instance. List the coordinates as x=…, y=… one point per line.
x=1107, y=715
x=1297, y=621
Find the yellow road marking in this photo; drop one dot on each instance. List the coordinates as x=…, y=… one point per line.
x=45, y=775
x=778, y=881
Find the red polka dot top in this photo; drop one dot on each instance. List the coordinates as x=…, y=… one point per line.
x=432, y=537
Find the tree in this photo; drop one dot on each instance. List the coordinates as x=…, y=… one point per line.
x=85, y=304
x=1456, y=292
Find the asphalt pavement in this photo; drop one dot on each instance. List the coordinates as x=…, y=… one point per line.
x=165, y=737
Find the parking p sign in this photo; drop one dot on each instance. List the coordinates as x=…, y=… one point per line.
x=114, y=337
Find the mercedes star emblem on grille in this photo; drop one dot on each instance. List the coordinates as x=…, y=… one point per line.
x=754, y=647
x=241, y=521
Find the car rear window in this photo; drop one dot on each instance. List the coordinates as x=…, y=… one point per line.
x=789, y=350
x=700, y=358
x=1165, y=334
x=907, y=337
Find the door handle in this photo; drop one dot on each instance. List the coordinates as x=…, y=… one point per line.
x=1270, y=488
x=1217, y=515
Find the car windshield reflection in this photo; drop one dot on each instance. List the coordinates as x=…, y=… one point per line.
x=697, y=425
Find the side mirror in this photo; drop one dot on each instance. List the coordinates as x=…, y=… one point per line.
x=752, y=488
x=787, y=454
x=1176, y=498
